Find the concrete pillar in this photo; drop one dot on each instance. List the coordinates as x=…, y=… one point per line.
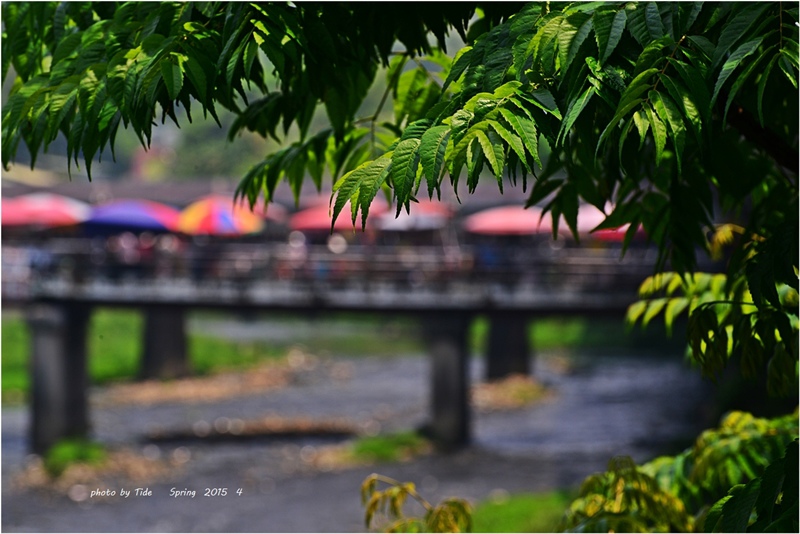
x=446, y=336
x=164, y=353
x=508, y=348
x=59, y=403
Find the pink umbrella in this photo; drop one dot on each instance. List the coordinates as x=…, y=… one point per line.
x=43, y=209
x=318, y=217
x=508, y=220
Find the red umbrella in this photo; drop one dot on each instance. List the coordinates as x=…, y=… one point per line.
x=217, y=215
x=318, y=217
x=508, y=220
x=43, y=209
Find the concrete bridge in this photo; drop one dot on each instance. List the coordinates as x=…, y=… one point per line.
x=444, y=287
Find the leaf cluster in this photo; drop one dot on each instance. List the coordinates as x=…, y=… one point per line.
x=451, y=515
x=629, y=100
x=682, y=493
x=83, y=68
x=625, y=499
x=725, y=323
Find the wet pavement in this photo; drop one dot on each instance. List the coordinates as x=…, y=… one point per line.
x=604, y=406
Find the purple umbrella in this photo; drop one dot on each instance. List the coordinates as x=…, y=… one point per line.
x=135, y=215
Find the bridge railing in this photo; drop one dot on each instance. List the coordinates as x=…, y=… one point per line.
x=29, y=271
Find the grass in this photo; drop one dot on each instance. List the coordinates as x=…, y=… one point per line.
x=389, y=447
x=581, y=333
x=114, y=348
x=114, y=344
x=523, y=512
x=71, y=451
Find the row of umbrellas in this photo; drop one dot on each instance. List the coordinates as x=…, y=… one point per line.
x=214, y=215
x=218, y=215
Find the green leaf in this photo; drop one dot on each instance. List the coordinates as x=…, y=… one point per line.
x=635, y=311
x=762, y=84
x=405, y=161
x=670, y=114
x=526, y=130
x=545, y=100
x=642, y=125
x=433, y=145
x=474, y=161
x=459, y=124
x=608, y=28
x=654, y=307
x=637, y=23
x=691, y=113
x=659, y=133
x=653, y=21
x=573, y=112
x=571, y=38
x=173, y=78
x=359, y=183
x=494, y=154
x=788, y=70
x=460, y=64
x=736, y=511
x=736, y=29
x=674, y=308
x=696, y=84
x=742, y=78
x=197, y=75
x=733, y=61
x=512, y=140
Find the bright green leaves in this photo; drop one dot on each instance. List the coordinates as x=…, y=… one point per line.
x=405, y=162
x=359, y=187
x=483, y=134
x=433, y=146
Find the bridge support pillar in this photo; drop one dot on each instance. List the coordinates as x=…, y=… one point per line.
x=59, y=407
x=446, y=337
x=164, y=347
x=508, y=350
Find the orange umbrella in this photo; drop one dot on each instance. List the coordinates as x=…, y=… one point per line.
x=218, y=215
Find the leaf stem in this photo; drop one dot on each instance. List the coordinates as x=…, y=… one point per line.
x=666, y=63
x=392, y=82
